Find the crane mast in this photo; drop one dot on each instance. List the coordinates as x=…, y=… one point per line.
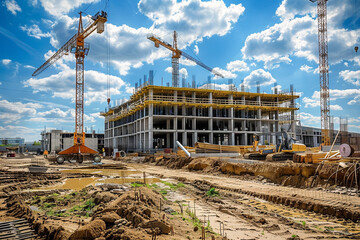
x=323, y=71
x=176, y=54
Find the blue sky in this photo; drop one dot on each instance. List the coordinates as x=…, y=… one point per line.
x=248, y=41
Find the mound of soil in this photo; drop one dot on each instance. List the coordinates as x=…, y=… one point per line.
x=91, y=230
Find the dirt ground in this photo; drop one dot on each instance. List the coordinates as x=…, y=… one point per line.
x=179, y=198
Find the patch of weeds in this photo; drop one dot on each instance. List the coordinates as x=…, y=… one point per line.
x=303, y=223
x=174, y=213
x=262, y=233
x=163, y=192
x=89, y=204
x=50, y=213
x=212, y=193
x=62, y=214
x=180, y=184
x=154, y=185
x=294, y=236
x=76, y=208
x=209, y=228
x=55, y=195
x=327, y=228
x=49, y=205
x=68, y=196
x=136, y=184
x=173, y=186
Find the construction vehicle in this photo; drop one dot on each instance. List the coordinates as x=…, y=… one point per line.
x=286, y=148
x=258, y=152
x=77, y=45
x=176, y=54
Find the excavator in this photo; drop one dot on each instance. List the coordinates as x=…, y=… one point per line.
x=284, y=150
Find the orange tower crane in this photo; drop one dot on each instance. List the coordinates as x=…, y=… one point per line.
x=176, y=54
x=77, y=46
x=323, y=71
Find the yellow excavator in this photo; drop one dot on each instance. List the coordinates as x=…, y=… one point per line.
x=284, y=150
x=258, y=152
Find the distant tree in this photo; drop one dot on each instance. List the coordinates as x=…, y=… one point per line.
x=37, y=143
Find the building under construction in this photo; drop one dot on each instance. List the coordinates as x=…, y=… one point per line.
x=156, y=117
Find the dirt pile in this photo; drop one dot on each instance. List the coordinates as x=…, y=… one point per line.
x=18, y=208
x=91, y=230
x=170, y=161
x=135, y=211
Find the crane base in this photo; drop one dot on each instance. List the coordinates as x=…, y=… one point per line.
x=78, y=149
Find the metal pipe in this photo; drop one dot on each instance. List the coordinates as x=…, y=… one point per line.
x=183, y=148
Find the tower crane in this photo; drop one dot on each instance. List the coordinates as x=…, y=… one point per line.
x=323, y=71
x=176, y=54
x=80, y=48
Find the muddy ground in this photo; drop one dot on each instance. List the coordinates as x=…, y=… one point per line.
x=177, y=199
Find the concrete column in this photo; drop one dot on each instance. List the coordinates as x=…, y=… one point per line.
x=194, y=137
x=175, y=136
x=175, y=100
x=231, y=122
x=211, y=137
x=151, y=122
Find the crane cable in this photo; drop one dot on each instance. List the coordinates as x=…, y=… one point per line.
x=107, y=8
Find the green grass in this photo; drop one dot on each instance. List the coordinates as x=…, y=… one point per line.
x=173, y=186
x=49, y=205
x=135, y=184
x=212, y=193
x=163, y=192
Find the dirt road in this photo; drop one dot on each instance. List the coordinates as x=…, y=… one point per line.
x=257, y=210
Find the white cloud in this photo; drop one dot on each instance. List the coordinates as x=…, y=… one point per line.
x=6, y=61
x=168, y=69
x=307, y=119
x=95, y=85
x=61, y=7
x=130, y=47
x=13, y=111
x=336, y=107
x=306, y=68
x=34, y=31
x=237, y=66
x=225, y=87
x=335, y=94
x=279, y=88
x=290, y=8
x=29, y=66
x=34, y=2
x=196, y=50
x=30, y=134
x=183, y=72
x=57, y=115
x=259, y=75
x=352, y=77
x=12, y=6
x=225, y=73
x=297, y=35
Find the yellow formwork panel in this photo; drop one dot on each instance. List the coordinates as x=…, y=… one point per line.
x=169, y=90
x=202, y=105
